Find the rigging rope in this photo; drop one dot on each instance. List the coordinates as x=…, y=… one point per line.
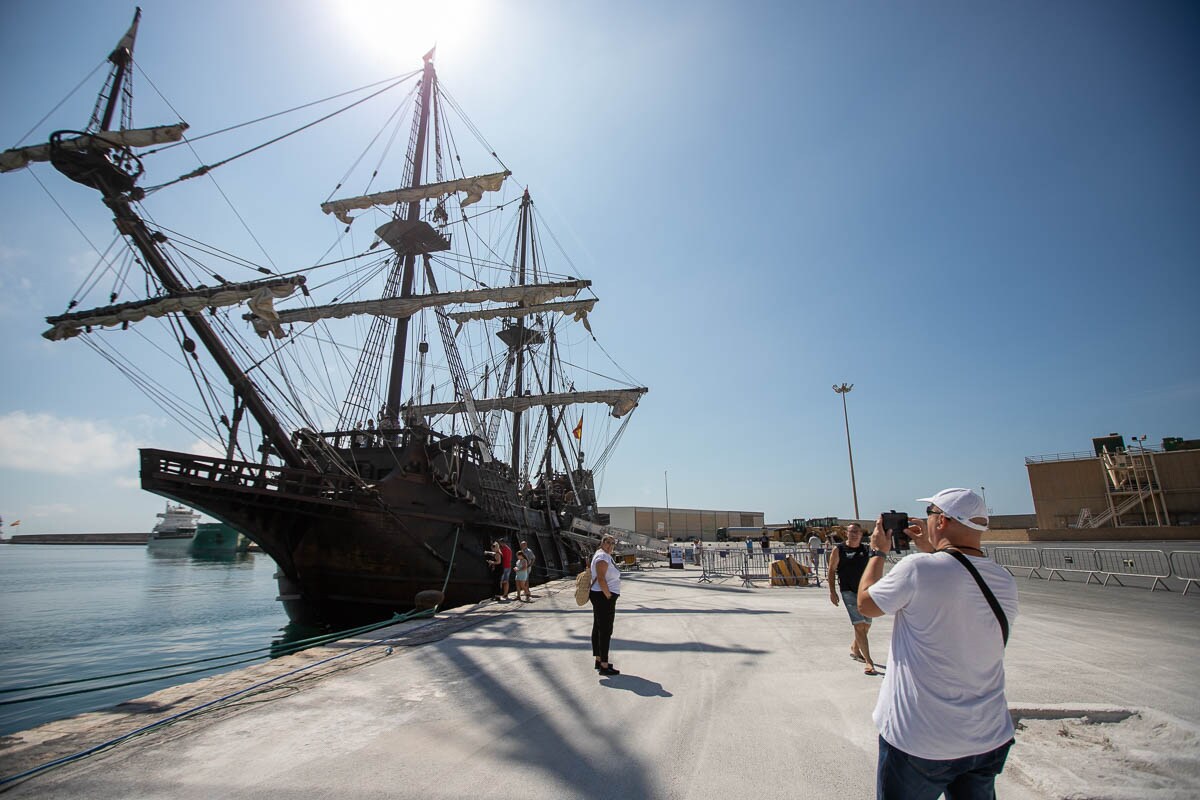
x=70, y=94
x=395, y=131
x=397, y=78
x=207, y=168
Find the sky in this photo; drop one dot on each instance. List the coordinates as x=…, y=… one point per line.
x=986, y=217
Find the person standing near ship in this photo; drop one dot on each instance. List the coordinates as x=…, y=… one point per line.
x=522, y=577
x=493, y=559
x=605, y=590
x=506, y=558
x=528, y=551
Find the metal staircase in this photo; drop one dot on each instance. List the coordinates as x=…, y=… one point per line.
x=1132, y=482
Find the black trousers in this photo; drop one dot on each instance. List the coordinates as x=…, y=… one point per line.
x=604, y=609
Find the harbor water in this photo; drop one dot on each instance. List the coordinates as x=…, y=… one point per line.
x=73, y=612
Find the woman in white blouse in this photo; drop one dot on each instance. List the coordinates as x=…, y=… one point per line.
x=606, y=588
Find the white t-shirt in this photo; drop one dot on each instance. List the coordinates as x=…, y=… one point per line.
x=613, y=575
x=814, y=542
x=943, y=693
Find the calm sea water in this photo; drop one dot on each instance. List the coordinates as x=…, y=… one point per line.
x=74, y=611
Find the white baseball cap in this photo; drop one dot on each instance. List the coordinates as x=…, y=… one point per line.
x=960, y=505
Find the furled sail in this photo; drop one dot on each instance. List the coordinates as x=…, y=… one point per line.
x=580, y=308
x=401, y=307
x=474, y=186
x=20, y=157
x=622, y=401
x=261, y=295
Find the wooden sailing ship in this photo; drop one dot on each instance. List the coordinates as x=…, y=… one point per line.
x=402, y=486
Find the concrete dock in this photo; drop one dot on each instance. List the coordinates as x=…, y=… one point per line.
x=724, y=691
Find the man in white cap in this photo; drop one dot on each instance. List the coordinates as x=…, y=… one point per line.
x=942, y=716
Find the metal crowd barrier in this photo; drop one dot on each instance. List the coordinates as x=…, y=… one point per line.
x=721, y=564
x=1018, y=558
x=1111, y=563
x=1070, y=559
x=1134, y=564
x=1185, y=565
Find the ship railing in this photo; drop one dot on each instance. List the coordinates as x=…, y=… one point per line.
x=264, y=477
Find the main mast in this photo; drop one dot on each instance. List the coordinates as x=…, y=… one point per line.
x=519, y=340
x=400, y=342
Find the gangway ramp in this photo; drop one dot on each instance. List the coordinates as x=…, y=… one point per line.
x=628, y=542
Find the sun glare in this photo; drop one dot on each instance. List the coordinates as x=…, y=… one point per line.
x=396, y=33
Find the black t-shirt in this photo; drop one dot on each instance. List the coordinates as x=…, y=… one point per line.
x=852, y=562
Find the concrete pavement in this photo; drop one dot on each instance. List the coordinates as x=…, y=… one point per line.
x=725, y=692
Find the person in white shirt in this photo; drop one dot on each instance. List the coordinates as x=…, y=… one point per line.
x=606, y=588
x=815, y=549
x=943, y=720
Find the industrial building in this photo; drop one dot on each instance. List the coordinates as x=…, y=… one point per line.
x=679, y=523
x=1119, y=485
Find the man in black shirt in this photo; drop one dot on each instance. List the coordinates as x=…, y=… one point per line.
x=846, y=564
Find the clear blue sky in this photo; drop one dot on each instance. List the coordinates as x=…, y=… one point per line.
x=985, y=217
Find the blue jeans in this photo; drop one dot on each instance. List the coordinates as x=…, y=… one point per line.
x=900, y=776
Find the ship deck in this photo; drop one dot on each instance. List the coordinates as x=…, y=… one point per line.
x=725, y=692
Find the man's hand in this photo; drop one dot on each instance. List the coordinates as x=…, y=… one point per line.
x=833, y=598
x=881, y=540
x=916, y=532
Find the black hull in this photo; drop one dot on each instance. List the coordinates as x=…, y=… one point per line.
x=349, y=553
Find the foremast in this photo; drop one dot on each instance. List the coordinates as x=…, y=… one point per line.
x=118, y=193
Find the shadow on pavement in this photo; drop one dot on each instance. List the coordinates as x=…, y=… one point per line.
x=632, y=683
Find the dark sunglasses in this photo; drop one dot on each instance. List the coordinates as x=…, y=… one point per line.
x=931, y=509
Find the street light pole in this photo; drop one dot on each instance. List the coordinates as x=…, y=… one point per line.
x=667, y=492
x=843, y=390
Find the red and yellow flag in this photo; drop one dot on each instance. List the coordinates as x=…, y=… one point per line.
x=578, y=432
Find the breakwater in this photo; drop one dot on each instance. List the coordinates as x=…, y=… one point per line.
x=79, y=538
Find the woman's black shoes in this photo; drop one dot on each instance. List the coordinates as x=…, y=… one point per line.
x=609, y=671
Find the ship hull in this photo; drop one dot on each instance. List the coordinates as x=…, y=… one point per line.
x=347, y=553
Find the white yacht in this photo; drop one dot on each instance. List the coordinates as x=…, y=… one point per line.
x=177, y=526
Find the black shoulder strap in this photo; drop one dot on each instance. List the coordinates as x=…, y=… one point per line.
x=987, y=592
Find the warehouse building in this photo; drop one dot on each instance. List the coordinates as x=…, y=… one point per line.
x=679, y=523
x=1145, y=491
